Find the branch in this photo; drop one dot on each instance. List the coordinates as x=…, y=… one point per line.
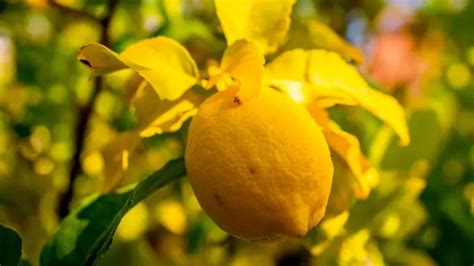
x=73, y=12
x=85, y=111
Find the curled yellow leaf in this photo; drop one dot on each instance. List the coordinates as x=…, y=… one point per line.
x=347, y=147
x=164, y=63
x=243, y=63
x=262, y=21
x=329, y=70
x=289, y=72
x=155, y=116
x=100, y=59
x=327, y=79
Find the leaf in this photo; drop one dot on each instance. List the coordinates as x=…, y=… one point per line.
x=10, y=247
x=426, y=132
x=261, y=21
x=165, y=64
x=86, y=234
x=328, y=69
x=333, y=81
x=353, y=250
x=131, y=87
x=318, y=239
x=289, y=73
x=116, y=154
x=347, y=146
x=161, y=61
x=243, y=62
x=342, y=195
x=24, y=262
x=155, y=116
x=100, y=59
x=313, y=34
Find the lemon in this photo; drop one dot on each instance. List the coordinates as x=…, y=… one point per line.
x=260, y=168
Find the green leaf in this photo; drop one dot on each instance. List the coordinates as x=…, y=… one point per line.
x=86, y=234
x=10, y=247
x=24, y=262
x=426, y=133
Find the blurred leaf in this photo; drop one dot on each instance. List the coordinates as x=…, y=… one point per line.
x=348, y=249
x=161, y=61
x=353, y=250
x=339, y=83
x=456, y=210
x=155, y=116
x=10, y=247
x=196, y=235
x=264, y=22
x=116, y=155
x=86, y=234
x=244, y=62
x=24, y=262
x=313, y=34
x=342, y=195
x=425, y=132
x=328, y=69
x=320, y=236
x=347, y=146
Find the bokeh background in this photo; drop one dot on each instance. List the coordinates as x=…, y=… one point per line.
x=420, y=51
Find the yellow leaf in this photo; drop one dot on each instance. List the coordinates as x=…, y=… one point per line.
x=289, y=73
x=116, y=154
x=347, y=146
x=329, y=70
x=155, y=116
x=330, y=80
x=312, y=34
x=100, y=59
x=344, y=184
x=243, y=62
x=161, y=61
x=131, y=86
x=327, y=230
x=165, y=64
x=262, y=21
x=353, y=250
x=327, y=39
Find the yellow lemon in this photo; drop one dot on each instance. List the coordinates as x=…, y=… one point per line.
x=260, y=168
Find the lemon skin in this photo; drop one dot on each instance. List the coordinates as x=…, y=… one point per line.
x=260, y=168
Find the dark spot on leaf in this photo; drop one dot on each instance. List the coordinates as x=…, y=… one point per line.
x=85, y=62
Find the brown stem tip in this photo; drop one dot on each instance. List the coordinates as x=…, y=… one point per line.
x=237, y=100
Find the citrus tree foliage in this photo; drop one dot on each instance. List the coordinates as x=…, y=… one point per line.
x=10, y=247
x=162, y=77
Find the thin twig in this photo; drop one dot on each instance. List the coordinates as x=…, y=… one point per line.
x=73, y=12
x=85, y=111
